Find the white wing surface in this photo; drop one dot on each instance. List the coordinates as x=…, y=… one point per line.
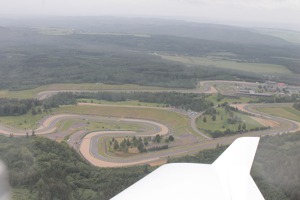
x=228, y=178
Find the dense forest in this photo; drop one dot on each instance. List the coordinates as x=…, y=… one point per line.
x=43, y=169
x=296, y=105
x=277, y=99
x=14, y=107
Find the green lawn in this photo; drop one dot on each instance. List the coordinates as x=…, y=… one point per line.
x=99, y=125
x=221, y=123
x=222, y=62
x=282, y=111
x=112, y=125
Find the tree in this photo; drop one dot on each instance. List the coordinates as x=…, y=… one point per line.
x=158, y=138
x=116, y=145
x=214, y=117
x=171, y=138
x=141, y=147
x=244, y=126
x=33, y=111
x=239, y=127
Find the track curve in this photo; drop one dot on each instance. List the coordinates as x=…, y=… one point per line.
x=89, y=144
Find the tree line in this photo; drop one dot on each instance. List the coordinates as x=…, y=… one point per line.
x=142, y=144
x=296, y=105
x=195, y=102
x=15, y=107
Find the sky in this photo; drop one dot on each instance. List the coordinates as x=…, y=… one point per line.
x=269, y=13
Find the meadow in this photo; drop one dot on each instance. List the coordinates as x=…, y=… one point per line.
x=226, y=63
x=178, y=123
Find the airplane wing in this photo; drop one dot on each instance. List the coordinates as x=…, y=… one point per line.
x=227, y=178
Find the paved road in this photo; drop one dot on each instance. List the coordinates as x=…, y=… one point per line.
x=206, y=88
x=285, y=126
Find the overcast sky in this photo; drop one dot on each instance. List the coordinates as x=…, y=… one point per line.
x=280, y=13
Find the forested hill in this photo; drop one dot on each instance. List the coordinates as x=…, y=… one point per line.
x=33, y=54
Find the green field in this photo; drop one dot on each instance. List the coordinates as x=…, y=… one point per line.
x=221, y=123
x=178, y=123
x=282, y=111
x=222, y=62
x=122, y=103
x=99, y=125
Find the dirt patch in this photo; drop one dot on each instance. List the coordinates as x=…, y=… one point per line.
x=158, y=162
x=239, y=107
x=212, y=90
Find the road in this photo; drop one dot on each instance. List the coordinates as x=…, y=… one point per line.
x=206, y=88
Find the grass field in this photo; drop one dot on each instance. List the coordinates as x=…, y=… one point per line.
x=99, y=125
x=25, y=122
x=222, y=62
x=282, y=111
x=221, y=123
x=178, y=123
x=122, y=103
